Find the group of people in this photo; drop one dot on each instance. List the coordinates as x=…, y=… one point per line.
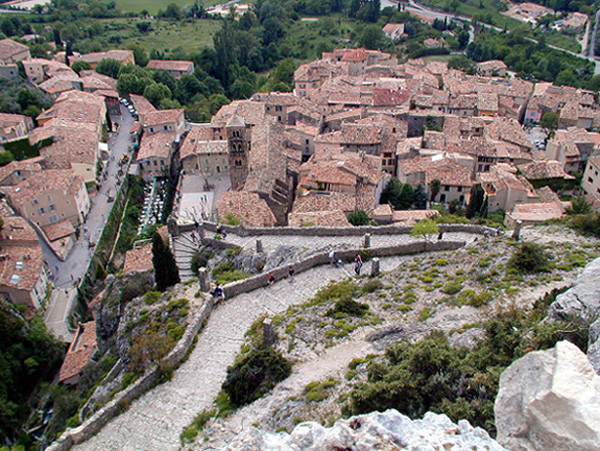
x=358, y=263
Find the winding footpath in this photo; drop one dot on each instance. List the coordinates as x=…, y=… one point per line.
x=155, y=420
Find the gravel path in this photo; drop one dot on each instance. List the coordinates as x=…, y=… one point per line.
x=155, y=420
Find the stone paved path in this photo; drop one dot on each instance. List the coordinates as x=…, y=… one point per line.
x=155, y=420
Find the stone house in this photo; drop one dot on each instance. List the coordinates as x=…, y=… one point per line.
x=394, y=30
x=176, y=68
x=14, y=126
x=591, y=177
x=492, y=68
x=58, y=195
x=12, y=52
x=172, y=121
x=248, y=207
x=504, y=188
x=80, y=353
x=39, y=69
x=23, y=276
x=123, y=56
x=155, y=155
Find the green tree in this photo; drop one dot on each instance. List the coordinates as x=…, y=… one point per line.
x=476, y=202
x=109, y=67
x=359, y=218
x=166, y=273
x=580, y=206
x=78, y=66
x=426, y=228
x=420, y=198
x=549, y=123
x=434, y=188
x=156, y=92
x=284, y=71
x=372, y=37
x=398, y=194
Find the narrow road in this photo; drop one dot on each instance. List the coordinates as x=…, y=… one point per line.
x=154, y=421
x=68, y=272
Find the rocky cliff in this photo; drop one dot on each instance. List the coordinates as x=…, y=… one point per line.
x=581, y=304
x=389, y=430
x=548, y=400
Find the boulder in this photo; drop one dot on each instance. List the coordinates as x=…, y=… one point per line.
x=582, y=300
x=389, y=430
x=548, y=400
x=581, y=303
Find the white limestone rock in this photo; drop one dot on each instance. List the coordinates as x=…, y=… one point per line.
x=389, y=430
x=548, y=400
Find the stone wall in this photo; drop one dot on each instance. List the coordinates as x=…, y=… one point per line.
x=252, y=283
x=123, y=399
x=336, y=231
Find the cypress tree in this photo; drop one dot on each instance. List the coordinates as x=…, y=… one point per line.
x=166, y=272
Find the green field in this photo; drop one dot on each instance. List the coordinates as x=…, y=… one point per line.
x=152, y=6
x=188, y=35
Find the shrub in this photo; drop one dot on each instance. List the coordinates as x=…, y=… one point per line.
x=441, y=262
x=199, y=260
x=359, y=218
x=225, y=273
x=370, y=286
x=452, y=288
x=151, y=297
x=232, y=220
x=529, y=258
x=349, y=307
x=588, y=224
x=255, y=374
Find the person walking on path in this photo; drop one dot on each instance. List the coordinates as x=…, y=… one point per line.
x=358, y=264
x=332, y=257
x=271, y=278
x=291, y=272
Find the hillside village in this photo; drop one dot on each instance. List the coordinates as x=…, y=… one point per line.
x=305, y=160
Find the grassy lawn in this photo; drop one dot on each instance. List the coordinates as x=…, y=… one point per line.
x=307, y=40
x=483, y=10
x=165, y=36
x=152, y=6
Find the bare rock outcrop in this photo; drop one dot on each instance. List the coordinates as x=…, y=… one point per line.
x=548, y=400
x=389, y=430
x=581, y=303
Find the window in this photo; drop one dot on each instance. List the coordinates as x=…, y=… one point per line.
x=591, y=180
x=307, y=141
x=151, y=130
x=279, y=118
x=42, y=210
x=302, y=85
x=459, y=189
x=278, y=108
x=52, y=219
x=446, y=188
x=162, y=162
x=442, y=198
x=155, y=163
x=51, y=207
x=461, y=198
x=49, y=198
x=34, y=202
x=165, y=127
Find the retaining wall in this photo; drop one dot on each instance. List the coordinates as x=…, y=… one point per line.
x=122, y=400
x=334, y=231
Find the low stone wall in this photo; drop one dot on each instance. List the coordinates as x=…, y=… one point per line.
x=337, y=231
x=122, y=400
x=219, y=244
x=252, y=283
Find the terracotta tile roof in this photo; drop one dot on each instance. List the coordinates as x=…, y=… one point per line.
x=59, y=230
x=59, y=83
x=360, y=134
x=157, y=145
x=438, y=167
x=30, y=165
x=315, y=201
x=487, y=101
x=276, y=98
x=493, y=65
x=355, y=56
x=175, y=65
x=327, y=172
x=544, y=170
x=17, y=229
x=7, y=119
x=9, y=48
x=192, y=147
x=71, y=146
x=142, y=105
x=96, y=57
x=503, y=177
x=391, y=27
x=53, y=179
x=266, y=160
x=546, y=194
x=21, y=266
x=388, y=97
x=252, y=113
x=80, y=351
x=509, y=130
x=138, y=259
x=160, y=117
x=411, y=217
x=537, y=212
x=333, y=218
x=248, y=207
x=97, y=81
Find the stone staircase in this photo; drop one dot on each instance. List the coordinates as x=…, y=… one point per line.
x=184, y=248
